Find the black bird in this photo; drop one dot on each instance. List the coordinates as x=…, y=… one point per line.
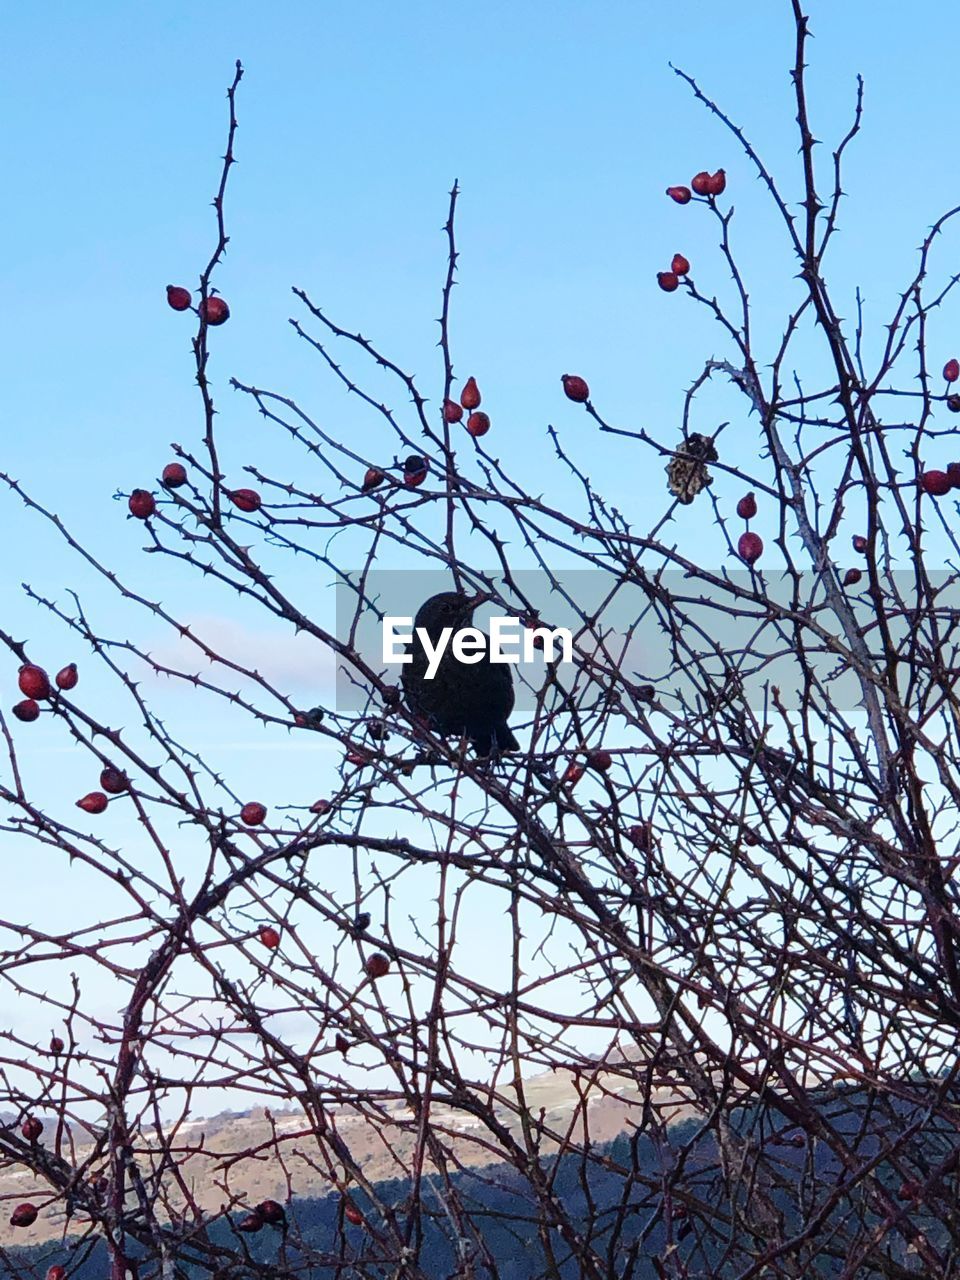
x=462, y=698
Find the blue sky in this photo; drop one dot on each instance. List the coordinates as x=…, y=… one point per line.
x=563, y=123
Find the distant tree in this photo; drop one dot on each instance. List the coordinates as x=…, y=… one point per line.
x=729, y=857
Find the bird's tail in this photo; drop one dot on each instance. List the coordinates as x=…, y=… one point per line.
x=495, y=741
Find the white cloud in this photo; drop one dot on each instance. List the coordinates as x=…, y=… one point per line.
x=286, y=659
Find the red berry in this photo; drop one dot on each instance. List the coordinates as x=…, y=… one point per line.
x=56, y=1272
x=321, y=806
x=353, y=1214
x=269, y=937
x=701, y=183
x=341, y=1043
x=572, y=774
x=951, y=370
x=215, y=311
x=24, y=1215
x=452, y=412
x=478, y=424
x=271, y=1211
x=717, y=183
x=747, y=506
x=414, y=470
x=34, y=681
x=178, y=297
x=936, y=483
x=372, y=479
x=251, y=1221
x=311, y=719
x=31, y=1128
x=852, y=577
x=377, y=966
x=67, y=677
x=908, y=1190
x=470, y=395
x=750, y=547
x=639, y=836
x=667, y=281
x=575, y=388
x=246, y=499
x=253, y=813
x=679, y=266
x=600, y=760
x=357, y=758
x=174, y=474
x=953, y=474
x=680, y=194
x=26, y=710
x=142, y=504
x=113, y=780
x=953, y=403
x=859, y=543
x=93, y=802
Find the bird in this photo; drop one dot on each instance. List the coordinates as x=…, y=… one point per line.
x=462, y=698
x=686, y=471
